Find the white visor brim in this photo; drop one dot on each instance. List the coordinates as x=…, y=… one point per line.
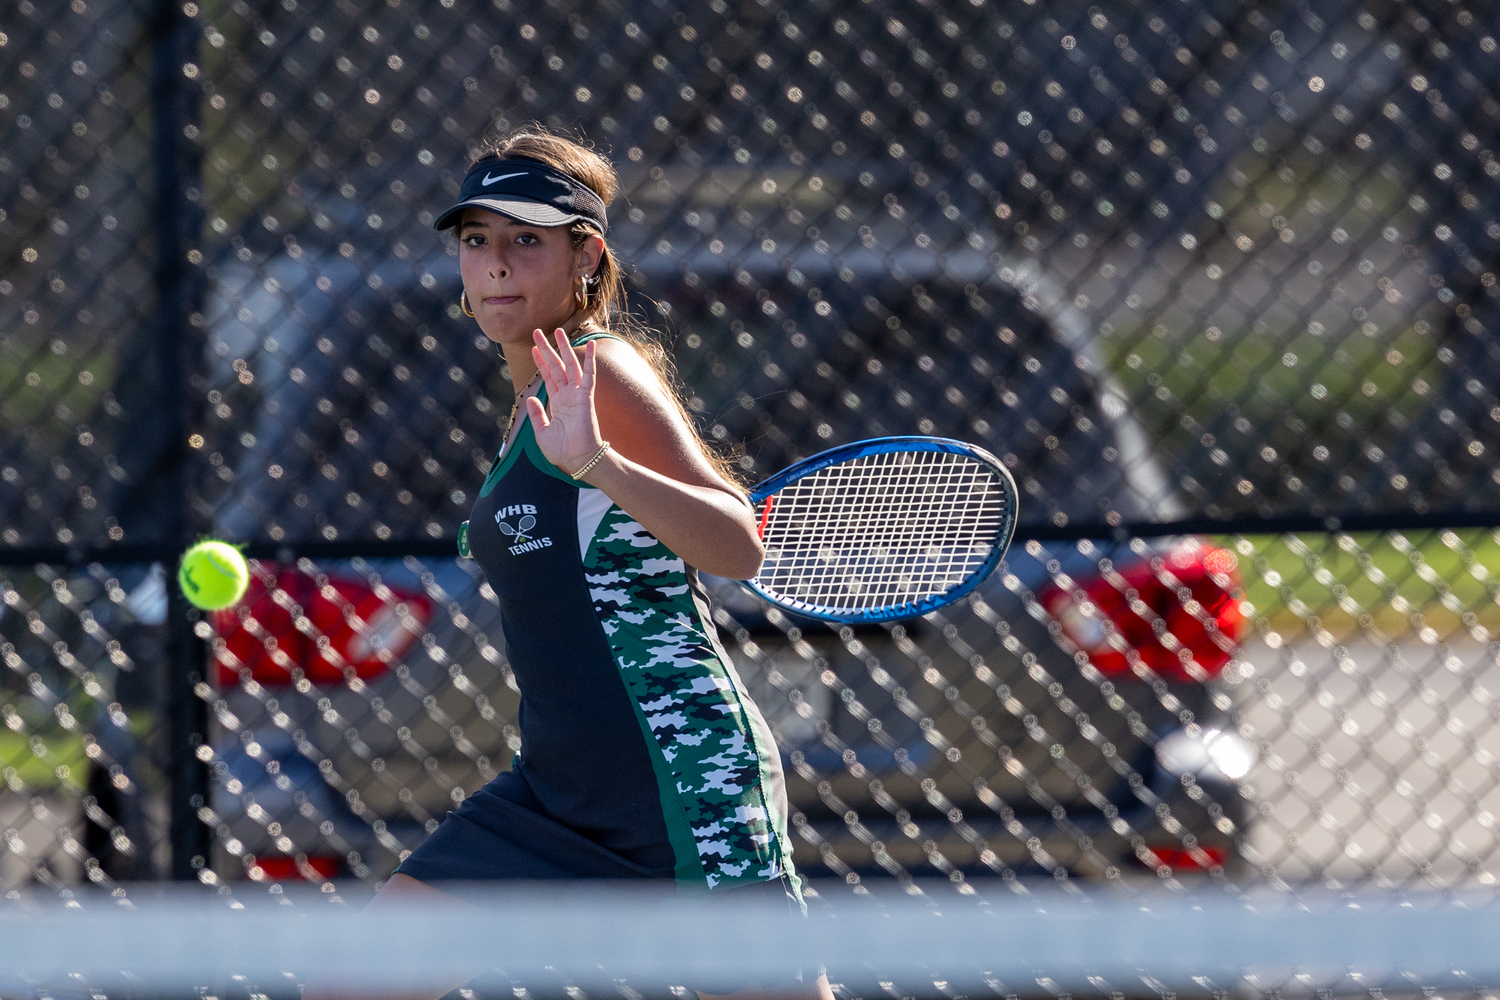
x=533, y=213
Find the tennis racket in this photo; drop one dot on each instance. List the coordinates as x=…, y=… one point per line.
x=519, y=531
x=881, y=529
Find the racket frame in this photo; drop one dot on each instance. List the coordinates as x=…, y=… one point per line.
x=766, y=489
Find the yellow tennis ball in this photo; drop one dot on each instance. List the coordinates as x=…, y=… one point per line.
x=213, y=575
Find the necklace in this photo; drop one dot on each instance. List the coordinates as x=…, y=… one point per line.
x=510, y=422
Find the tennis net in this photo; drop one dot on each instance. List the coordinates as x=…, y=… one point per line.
x=533, y=941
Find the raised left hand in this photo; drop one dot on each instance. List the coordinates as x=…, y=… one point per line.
x=569, y=434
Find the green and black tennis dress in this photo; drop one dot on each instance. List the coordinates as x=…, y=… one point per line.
x=642, y=756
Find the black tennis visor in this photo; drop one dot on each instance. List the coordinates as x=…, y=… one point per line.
x=528, y=191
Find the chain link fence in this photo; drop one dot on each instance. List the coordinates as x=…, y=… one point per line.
x=1215, y=280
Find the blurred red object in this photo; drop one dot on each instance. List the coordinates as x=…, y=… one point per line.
x=1189, y=594
x=288, y=621
x=1181, y=858
x=313, y=868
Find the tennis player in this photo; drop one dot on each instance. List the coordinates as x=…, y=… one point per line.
x=643, y=757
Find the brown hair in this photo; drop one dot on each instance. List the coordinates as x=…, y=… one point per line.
x=575, y=157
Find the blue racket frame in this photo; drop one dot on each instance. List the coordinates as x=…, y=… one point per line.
x=877, y=446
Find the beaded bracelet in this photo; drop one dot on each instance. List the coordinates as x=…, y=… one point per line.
x=591, y=462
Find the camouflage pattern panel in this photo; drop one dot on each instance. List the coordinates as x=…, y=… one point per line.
x=689, y=698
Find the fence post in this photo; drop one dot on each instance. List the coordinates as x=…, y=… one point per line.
x=174, y=97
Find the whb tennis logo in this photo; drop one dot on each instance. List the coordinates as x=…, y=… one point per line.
x=524, y=542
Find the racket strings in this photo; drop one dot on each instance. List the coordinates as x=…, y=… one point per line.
x=882, y=530
x=945, y=505
x=836, y=578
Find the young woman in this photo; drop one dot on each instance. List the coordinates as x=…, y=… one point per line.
x=642, y=756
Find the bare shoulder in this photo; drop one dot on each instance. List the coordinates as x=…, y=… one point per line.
x=625, y=376
x=641, y=420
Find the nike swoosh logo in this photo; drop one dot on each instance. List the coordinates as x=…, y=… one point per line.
x=488, y=180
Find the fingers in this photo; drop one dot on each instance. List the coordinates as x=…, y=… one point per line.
x=547, y=361
x=567, y=423
x=586, y=372
x=562, y=366
x=568, y=356
x=538, y=414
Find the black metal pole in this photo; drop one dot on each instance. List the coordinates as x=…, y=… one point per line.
x=174, y=98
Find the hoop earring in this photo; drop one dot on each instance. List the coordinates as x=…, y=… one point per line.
x=582, y=295
x=463, y=303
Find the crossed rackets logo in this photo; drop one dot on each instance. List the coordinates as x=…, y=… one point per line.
x=519, y=531
x=520, y=534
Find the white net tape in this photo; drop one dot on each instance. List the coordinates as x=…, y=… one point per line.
x=882, y=530
x=613, y=942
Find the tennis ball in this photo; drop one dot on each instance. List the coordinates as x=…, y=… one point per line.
x=213, y=575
